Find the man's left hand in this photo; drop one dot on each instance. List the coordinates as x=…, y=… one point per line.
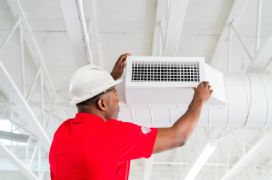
x=119, y=66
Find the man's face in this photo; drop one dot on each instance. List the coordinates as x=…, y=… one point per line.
x=113, y=106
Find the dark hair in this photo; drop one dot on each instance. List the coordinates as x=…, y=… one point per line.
x=94, y=99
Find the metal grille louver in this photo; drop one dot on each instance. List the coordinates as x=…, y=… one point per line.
x=165, y=71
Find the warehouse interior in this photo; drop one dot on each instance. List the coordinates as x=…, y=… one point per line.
x=42, y=44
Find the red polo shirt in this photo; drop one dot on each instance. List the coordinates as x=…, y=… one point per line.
x=87, y=147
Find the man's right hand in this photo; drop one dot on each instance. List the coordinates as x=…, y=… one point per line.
x=203, y=92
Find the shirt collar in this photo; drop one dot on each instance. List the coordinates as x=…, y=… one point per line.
x=82, y=117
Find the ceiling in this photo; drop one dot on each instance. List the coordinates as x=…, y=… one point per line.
x=128, y=27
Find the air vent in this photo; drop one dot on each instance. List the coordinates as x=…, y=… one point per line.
x=166, y=82
x=166, y=71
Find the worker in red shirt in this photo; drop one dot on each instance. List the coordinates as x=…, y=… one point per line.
x=96, y=146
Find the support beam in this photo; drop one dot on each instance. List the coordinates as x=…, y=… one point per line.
x=262, y=57
x=177, y=11
x=70, y=9
x=205, y=152
x=233, y=16
x=258, y=25
x=268, y=67
x=230, y=46
x=10, y=34
x=22, y=106
x=147, y=168
x=22, y=57
x=242, y=42
x=10, y=156
x=161, y=18
x=259, y=147
x=17, y=11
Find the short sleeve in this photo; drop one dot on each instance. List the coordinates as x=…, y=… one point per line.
x=129, y=141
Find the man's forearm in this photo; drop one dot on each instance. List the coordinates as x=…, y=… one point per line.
x=185, y=125
x=177, y=135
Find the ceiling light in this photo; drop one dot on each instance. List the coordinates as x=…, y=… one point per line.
x=201, y=159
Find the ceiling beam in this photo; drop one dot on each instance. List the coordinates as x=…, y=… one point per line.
x=259, y=147
x=76, y=28
x=159, y=28
x=262, y=57
x=176, y=17
x=22, y=106
x=12, y=158
x=234, y=14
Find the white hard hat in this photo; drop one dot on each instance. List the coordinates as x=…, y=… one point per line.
x=88, y=82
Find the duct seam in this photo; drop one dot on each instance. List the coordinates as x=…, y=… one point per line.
x=226, y=89
x=267, y=100
x=249, y=108
x=209, y=120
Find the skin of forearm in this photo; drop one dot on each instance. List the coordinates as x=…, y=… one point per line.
x=185, y=125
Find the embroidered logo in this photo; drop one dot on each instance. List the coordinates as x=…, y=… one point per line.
x=145, y=130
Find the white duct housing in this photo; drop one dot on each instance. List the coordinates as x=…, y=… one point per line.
x=238, y=99
x=168, y=81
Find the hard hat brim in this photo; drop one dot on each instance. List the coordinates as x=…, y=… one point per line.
x=74, y=102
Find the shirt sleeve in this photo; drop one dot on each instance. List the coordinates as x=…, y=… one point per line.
x=129, y=141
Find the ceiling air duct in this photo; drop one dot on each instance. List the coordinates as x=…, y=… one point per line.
x=158, y=91
x=168, y=81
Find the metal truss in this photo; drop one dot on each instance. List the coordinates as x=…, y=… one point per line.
x=261, y=145
x=15, y=160
x=233, y=16
x=261, y=61
x=17, y=11
x=21, y=102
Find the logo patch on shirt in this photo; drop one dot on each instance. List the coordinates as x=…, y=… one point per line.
x=145, y=130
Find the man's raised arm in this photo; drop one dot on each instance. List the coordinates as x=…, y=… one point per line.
x=177, y=135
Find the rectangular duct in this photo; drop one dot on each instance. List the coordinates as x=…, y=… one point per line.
x=168, y=81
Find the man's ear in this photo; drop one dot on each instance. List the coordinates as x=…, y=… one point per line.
x=102, y=104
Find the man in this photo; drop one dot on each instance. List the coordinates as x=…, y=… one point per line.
x=95, y=146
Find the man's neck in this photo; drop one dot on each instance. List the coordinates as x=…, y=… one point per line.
x=91, y=111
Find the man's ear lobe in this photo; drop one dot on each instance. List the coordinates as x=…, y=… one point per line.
x=101, y=104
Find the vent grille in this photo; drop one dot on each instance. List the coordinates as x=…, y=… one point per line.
x=165, y=71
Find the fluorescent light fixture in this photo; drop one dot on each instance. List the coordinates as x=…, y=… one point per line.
x=197, y=164
x=13, y=136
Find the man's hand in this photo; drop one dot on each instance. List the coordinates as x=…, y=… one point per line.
x=203, y=92
x=119, y=66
